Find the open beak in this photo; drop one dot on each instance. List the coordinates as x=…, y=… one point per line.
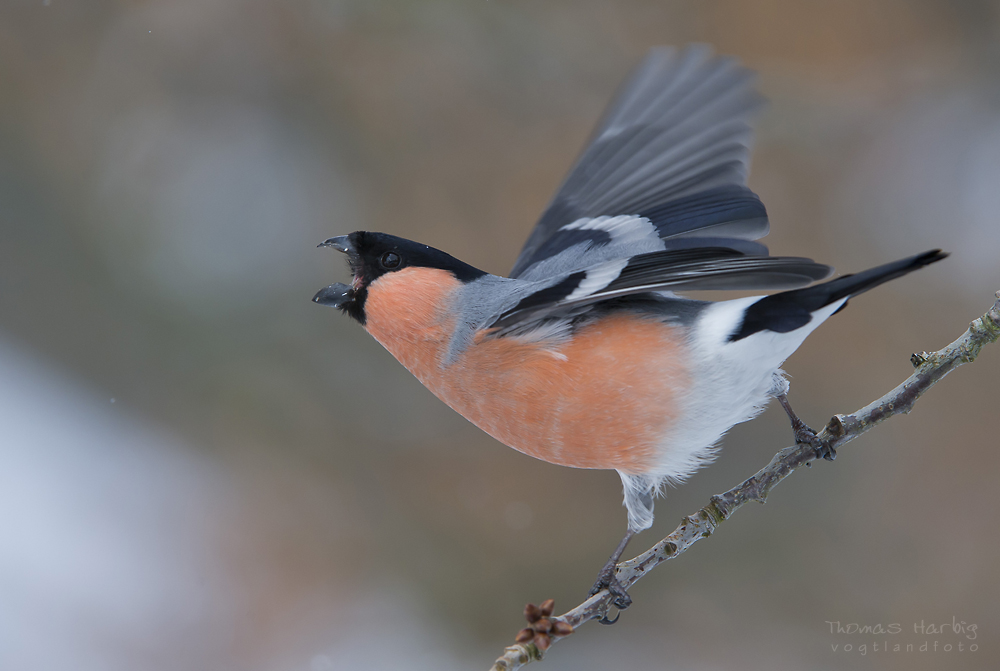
x=336, y=295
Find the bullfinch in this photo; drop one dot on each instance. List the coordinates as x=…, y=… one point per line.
x=586, y=356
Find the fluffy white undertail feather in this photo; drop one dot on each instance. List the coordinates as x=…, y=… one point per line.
x=779, y=384
x=640, y=490
x=732, y=381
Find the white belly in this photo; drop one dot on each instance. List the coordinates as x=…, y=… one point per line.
x=731, y=383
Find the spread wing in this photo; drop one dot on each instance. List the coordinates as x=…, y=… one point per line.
x=668, y=162
x=696, y=268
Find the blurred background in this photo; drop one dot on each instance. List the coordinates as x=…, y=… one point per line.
x=201, y=469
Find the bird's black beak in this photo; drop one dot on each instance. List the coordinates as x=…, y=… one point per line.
x=341, y=243
x=336, y=295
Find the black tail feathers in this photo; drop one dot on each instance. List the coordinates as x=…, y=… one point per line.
x=851, y=285
x=790, y=310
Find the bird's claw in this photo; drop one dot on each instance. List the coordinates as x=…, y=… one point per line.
x=604, y=618
x=607, y=579
x=804, y=435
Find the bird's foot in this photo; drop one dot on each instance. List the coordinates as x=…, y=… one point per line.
x=804, y=435
x=607, y=579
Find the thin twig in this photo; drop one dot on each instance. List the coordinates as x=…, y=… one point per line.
x=930, y=367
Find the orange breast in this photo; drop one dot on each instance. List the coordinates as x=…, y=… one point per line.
x=604, y=399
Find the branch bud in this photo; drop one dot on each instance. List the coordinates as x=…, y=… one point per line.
x=525, y=635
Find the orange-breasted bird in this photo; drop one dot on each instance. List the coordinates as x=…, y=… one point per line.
x=585, y=356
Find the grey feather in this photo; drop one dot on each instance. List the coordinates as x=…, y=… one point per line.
x=680, y=127
x=699, y=268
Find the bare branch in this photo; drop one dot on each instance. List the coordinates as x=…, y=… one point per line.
x=930, y=367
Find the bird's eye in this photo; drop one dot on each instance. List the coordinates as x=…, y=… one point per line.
x=390, y=260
